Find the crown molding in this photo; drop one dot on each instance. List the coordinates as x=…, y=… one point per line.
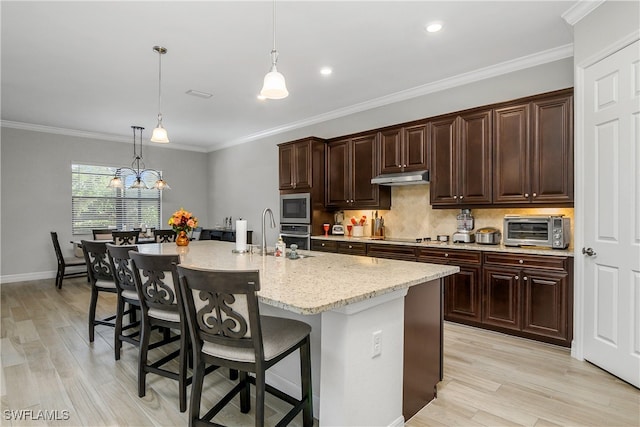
x=539, y=58
x=582, y=8
x=91, y=135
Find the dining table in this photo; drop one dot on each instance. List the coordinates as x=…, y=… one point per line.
x=347, y=300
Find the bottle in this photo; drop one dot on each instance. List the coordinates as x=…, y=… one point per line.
x=280, y=247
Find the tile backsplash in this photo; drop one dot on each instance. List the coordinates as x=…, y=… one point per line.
x=411, y=215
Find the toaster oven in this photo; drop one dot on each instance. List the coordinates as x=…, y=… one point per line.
x=537, y=230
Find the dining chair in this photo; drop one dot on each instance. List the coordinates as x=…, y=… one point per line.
x=125, y=237
x=127, y=294
x=227, y=330
x=156, y=285
x=101, y=280
x=102, y=233
x=164, y=236
x=77, y=265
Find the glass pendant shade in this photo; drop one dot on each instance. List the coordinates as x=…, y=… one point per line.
x=139, y=183
x=161, y=184
x=116, y=182
x=159, y=134
x=274, y=85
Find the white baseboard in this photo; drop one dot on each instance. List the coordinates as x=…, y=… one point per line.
x=25, y=277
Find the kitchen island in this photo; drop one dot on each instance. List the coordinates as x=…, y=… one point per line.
x=348, y=300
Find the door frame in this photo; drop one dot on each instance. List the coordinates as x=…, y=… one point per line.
x=577, y=346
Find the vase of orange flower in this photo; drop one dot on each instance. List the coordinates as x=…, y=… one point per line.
x=182, y=222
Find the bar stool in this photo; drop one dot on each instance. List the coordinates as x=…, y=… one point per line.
x=156, y=284
x=227, y=330
x=127, y=294
x=101, y=280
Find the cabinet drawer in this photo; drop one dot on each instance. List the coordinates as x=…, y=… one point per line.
x=526, y=260
x=324, y=245
x=448, y=256
x=352, y=248
x=406, y=253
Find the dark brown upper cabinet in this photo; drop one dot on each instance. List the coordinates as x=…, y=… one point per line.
x=301, y=164
x=460, y=172
x=403, y=149
x=533, y=151
x=351, y=163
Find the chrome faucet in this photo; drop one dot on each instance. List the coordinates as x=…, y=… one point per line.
x=273, y=225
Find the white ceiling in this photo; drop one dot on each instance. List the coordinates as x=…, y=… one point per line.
x=89, y=66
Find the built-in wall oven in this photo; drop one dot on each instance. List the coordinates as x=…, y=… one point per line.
x=300, y=234
x=295, y=208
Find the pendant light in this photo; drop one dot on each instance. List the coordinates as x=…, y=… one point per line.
x=138, y=168
x=160, y=133
x=274, y=85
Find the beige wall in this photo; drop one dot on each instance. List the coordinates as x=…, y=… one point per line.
x=411, y=216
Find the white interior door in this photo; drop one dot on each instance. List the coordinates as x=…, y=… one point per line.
x=611, y=231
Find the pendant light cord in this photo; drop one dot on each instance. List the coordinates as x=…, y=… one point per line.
x=159, y=84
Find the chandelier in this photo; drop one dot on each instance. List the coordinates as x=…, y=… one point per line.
x=138, y=169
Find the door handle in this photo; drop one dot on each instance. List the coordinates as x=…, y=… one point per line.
x=588, y=252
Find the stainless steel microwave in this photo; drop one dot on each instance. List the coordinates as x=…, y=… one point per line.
x=553, y=231
x=295, y=208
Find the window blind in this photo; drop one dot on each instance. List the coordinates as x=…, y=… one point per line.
x=94, y=205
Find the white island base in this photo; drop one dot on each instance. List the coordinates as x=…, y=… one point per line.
x=351, y=386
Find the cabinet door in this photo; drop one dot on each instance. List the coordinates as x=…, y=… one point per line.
x=414, y=148
x=285, y=162
x=501, y=298
x=302, y=165
x=552, y=150
x=363, y=168
x=462, y=295
x=444, y=180
x=391, y=151
x=511, y=155
x=474, y=158
x=338, y=180
x=545, y=303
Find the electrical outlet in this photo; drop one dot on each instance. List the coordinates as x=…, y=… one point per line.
x=376, y=349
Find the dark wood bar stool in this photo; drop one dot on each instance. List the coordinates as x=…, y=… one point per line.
x=227, y=330
x=164, y=236
x=101, y=280
x=127, y=294
x=156, y=283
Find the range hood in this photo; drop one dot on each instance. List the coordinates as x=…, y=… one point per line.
x=402, y=178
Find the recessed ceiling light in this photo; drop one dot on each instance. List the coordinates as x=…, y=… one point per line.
x=434, y=27
x=199, y=93
x=325, y=71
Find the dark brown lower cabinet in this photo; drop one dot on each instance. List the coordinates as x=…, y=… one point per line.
x=529, y=295
x=462, y=295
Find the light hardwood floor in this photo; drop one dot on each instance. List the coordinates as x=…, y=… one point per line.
x=490, y=379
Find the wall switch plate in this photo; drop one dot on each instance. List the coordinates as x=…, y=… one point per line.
x=376, y=349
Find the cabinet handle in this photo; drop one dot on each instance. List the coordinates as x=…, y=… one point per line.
x=399, y=166
x=461, y=197
x=404, y=166
x=526, y=194
x=525, y=278
x=521, y=261
x=350, y=247
x=323, y=245
x=446, y=255
x=535, y=195
x=516, y=277
x=455, y=197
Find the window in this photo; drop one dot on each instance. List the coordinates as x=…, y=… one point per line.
x=94, y=205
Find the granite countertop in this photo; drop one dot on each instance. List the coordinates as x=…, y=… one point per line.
x=534, y=250
x=317, y=282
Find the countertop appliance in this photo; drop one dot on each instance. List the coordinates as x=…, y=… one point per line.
x=295, y=208
x=488, y=236
x=337, y=229
x=464, y=222
x=553, y=231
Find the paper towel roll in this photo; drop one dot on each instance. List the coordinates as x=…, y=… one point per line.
x=241, y=235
